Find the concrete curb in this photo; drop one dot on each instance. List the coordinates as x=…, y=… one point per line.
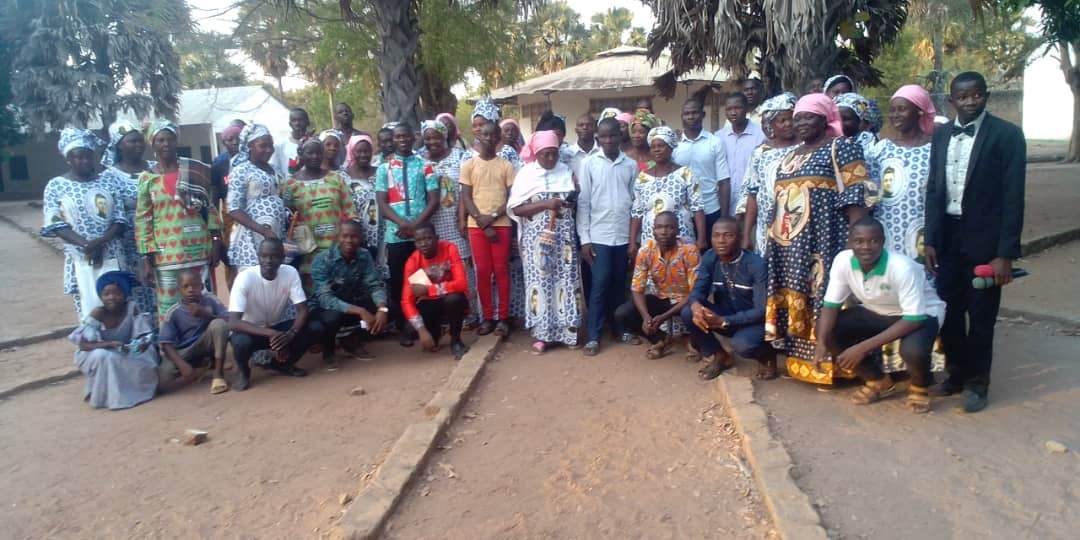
x=1046, y=242
x=32, y=233
x=792, y=514
x=55, y=333
x=57, y=376
x=369, y=512
x=1038, y=317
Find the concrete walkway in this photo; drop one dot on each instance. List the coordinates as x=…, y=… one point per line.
x=33, y=293
x=1052, y=290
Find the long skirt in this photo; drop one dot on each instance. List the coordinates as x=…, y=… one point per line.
x=553, y=295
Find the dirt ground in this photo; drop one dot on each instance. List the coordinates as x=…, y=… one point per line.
x=563, y=446
x=881, y=472
x=33, y=291
x=278, y=457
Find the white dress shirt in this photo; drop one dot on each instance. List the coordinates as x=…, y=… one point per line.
x=579, y=155
x=706, y=158
x=607, y=194
x=283, y=152
x=957, y=162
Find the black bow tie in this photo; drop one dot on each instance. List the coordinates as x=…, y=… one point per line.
x=968, y=130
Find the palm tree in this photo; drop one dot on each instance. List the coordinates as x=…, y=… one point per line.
x=608, y=28
x=787, y=41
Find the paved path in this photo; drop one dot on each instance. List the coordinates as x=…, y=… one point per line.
x=881, y=472
x=1050, y=201
x=565, y=446
x=1053, y=288
x=32, y=295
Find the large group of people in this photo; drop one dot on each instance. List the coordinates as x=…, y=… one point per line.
x=796, y=233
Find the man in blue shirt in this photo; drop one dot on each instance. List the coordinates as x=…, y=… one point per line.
x=736, y=280
x=704, y=154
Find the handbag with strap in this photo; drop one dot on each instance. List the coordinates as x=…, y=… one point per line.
x=301, y=236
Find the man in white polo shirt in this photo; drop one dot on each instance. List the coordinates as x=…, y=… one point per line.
x=896, y=302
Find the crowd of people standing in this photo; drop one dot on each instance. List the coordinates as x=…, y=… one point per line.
x=818, y=247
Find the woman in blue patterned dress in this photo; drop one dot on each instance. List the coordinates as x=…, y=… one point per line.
x=854, y=115
x=123, y=162
x=86, y=211
x=449, y=218
x=820, y=188
x=666, y=187
x=757, y=197
x=359, y=173
x=541, y=206
x=254, y=199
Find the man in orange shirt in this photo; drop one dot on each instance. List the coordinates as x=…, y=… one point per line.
x=434, y=290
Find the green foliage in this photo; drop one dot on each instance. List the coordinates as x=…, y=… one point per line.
x=204, y=61
x=74, y=61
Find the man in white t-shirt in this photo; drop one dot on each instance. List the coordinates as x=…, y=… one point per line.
x=257, y=310
x=895, y=302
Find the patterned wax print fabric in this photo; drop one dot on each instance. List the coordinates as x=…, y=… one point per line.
x=448, y=172
x=258, y=193
x=128, y=183
x=367, y=211
x=671, y=278
x=88, y=208
x=178, y=236
x=115, y=378
x=406, y=182
x=760, y=178
x=549, y=257
x=901, y=174
x=321, y=205
x=866, y=139
x=809, y=227
x=676, y=192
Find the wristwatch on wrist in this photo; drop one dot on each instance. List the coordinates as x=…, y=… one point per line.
x=383, y=309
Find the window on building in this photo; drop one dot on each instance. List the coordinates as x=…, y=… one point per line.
x=184, y=151
x=20, y=170
x=533, y=111
x=204, y=154
x=623, y=103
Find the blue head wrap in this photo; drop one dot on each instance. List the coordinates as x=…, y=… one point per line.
x=124, y=280
x=72, y=138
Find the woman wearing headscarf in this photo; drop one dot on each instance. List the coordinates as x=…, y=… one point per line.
x=449, y=218
x=124, y=163
x=331, y=140
x=854, y=111
x=86, y=211
x=838, y=84
x=541, y=204
x=820, y=188
x=549, y=121
x=666, y=187
x=359, y=173
x=510, y=135
x=254, y=198
x=640, y=151
x=453, y=134
x=485, y=112
x=116, y=352
x=757, y=197
x=319, y=198
x=900, y=167
x=176, y=225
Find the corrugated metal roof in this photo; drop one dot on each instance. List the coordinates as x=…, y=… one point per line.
x=622, y=67
x=219, y=106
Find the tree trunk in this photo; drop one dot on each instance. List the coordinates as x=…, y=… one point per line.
x=1070, y=66
x=281, y=91
x=937, y=88
x=330, y=98
x=400, y=33
x=436, y=97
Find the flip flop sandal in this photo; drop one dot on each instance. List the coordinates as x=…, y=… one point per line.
x=767, y=372
x=219, y=386
x=918, y=400
x=711, y=371
x=538, y=348
x=867, y=394
x=630, y=339
x=657, y=350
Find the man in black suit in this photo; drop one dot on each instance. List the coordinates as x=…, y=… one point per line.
x=974, y=215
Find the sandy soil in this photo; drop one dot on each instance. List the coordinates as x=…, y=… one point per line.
x=881, y=472
x=563, y=446
x=278, y=456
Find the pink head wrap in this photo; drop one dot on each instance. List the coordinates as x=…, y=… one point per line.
x=625, y=117
x=920, y=98
x=231, y=131
x=350, y=154
x=823, y=106
x=539, y=141
x=449, y=121
x=521, y=138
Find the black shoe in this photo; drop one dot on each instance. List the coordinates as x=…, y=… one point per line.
x=947, y=388
x=486, y=327
x=458, y=349
x=241, y=382
x=503, y=328
x=972, y=401
x=288, y=371
x=331, y=363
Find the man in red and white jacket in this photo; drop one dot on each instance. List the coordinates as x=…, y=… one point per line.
x=437, y=294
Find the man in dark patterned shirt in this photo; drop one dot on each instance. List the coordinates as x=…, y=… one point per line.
x=349, y=292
